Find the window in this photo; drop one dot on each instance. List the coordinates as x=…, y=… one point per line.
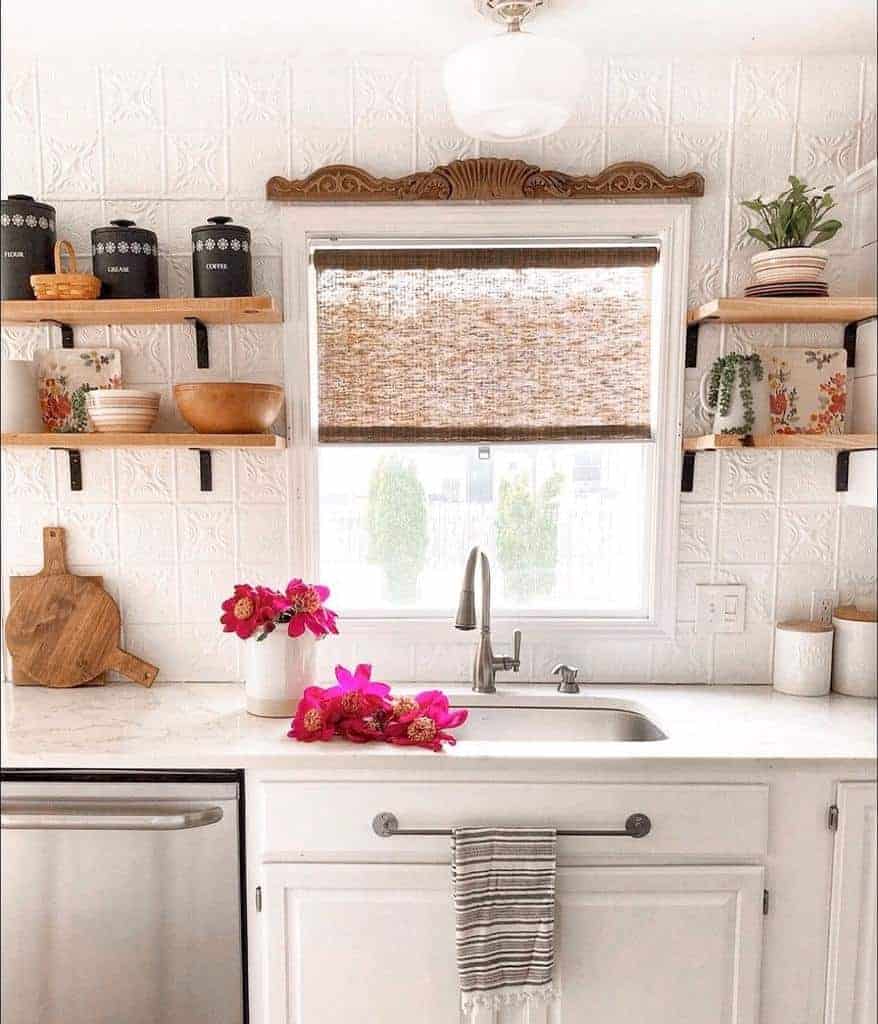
x=493, y=395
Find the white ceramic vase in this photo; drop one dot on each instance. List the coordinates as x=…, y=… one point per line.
x=783, y=266
x=733, y=420
x=276, y=672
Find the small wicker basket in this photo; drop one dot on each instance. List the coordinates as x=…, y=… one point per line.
x=65, y=284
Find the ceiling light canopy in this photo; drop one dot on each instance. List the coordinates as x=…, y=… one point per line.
x=516, y=85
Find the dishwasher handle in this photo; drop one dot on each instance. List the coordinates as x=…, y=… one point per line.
x=91, y=815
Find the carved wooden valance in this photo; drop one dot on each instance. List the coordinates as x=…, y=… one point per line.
x=484, y=178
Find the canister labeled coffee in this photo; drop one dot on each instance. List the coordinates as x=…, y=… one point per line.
x=221, y=265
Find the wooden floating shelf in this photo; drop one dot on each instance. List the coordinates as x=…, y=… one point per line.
x=148, y=440
x=255, y=309
x=821, y=442
x=786, y=311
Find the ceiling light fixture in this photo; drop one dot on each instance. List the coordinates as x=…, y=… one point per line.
x=516, y=85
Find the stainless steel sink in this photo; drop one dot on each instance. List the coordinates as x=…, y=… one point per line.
x=556, y=724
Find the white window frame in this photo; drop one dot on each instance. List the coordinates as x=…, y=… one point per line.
x=474, y=223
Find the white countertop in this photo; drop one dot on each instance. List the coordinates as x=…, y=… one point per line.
x=204, y=725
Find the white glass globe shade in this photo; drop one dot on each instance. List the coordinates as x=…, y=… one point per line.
x=514, y=86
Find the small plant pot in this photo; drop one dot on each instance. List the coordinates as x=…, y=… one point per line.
x=785, y=266
x=734, y=419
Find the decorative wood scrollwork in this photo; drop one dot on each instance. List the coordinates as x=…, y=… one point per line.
x=484, y=179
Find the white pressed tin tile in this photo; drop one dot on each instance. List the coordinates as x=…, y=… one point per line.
x=257, y=354
x=29, y=474
x=700, y=91
x=145, y=351
x=795, y=584
x=68, y=98
x=268, y=277
x=258, y=94
x=744, y=657
x=638, y=91
x=189, y=476
x=148, y=593
x=696, y=533
x=207, y=532
x=194, y=96
x=263, y=534
x=75, y=219
x=858, y=529
x=688, y=577
x=830, y=89
x=618, y=662
x=146, y=534
x=203, y=588
x=766, y=90
x=23, y=342
x=747, y=533
x=207, y=654
x=196, y=165
x=808, y=476
x=262, y=476
x=91, y=533
x=646, y=141
x=71, y=168
x=133, y=162
x=748, y=477
x=23, y=523
x=685, y=659
x=759, y=581
x=808, y=533
x=145, y=474
x=256, y=152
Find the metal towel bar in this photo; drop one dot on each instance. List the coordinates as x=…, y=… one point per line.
x=386, y=825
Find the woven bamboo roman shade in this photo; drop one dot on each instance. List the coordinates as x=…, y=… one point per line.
x=483, y=344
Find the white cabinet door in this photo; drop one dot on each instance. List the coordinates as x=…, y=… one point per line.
x=851, y=975
x=375, y=944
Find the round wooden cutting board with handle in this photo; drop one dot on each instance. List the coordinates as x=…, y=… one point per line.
x=63, y=630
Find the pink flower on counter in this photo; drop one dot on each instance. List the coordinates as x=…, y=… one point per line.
x=251, y=609
x=356, y=695
x=316, y=716
x=306, y=609
x=424, y=724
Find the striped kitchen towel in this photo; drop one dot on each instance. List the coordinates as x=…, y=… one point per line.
x=504, y=902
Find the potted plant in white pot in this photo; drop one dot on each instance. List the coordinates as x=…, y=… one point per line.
x=792, y=227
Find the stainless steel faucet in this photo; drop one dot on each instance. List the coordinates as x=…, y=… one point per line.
x=485, y=665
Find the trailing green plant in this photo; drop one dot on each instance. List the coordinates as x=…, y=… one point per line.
x=796, y=218
x=721, y=386
x=397, y=526
x=527, y=535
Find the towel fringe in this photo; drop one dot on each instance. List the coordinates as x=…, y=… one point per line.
x=524, y=995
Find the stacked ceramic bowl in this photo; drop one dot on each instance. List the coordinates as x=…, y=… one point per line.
x=789, y=272
x=122, y=410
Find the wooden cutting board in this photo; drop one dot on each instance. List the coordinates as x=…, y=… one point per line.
x=63, y=630
x=17, y=586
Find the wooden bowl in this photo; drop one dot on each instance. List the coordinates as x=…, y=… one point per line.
x=229, y=408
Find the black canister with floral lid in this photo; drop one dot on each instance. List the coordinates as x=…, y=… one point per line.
x=27, y=233
x=221, y=264
x=125, y=258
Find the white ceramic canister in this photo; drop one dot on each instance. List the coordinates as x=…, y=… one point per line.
x=19, y=402
x=855, y=661
x=276, y=672
x=802, y=658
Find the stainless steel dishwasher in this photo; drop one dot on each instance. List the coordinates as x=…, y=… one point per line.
x=122, y=898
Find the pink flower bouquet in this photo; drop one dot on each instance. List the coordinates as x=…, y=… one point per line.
x=261, y=610
x=364, y=711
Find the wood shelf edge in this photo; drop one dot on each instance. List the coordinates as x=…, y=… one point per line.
x=740, y=309
x=255, y=309
x=270, y=442
x=793, y=442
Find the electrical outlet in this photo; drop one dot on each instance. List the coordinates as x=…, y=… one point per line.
x=719, y=608
x=823, y=604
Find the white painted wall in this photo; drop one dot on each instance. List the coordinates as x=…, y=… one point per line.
x=171, y=143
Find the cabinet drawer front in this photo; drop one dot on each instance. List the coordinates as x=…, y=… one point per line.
x=314, y=820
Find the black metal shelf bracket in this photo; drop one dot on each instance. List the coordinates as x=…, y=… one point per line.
x=842, y=471
x=202, y=349
x=66, y=332
x=74, y=461
x=687, y=477
x=850, y=342
x=205, y=468
x=692, y=346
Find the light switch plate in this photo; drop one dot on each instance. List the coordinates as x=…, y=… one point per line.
x=720, y=607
